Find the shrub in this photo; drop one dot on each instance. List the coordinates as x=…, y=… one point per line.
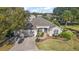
x=40, y=34
x=67, y=34
x=37, y=40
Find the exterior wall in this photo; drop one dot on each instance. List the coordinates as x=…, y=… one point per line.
x=51, y=32
x=35, y=32
x=42, y=30
x=39, y=15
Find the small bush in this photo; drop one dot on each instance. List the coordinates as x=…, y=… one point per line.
x=67, y=34
x=40, y=34
x=37, y=40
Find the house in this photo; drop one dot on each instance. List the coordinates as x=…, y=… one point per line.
x=39, y=15
x=49, y=16
x=40, y=24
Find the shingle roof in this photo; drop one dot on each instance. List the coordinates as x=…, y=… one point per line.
x=39, y=21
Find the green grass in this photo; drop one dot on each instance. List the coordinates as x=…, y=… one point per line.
x=54, y=44
x=74, y=27
x=59, y=45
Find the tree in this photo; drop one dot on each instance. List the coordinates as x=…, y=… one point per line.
x=11, y=19
x=27, y=13
x=67, y=16
x=74, y=10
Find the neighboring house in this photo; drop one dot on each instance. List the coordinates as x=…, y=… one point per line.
x=49, y=16
x=39, y=15
x=43, y=25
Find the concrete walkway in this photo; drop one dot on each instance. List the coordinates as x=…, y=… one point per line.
x=27, y=45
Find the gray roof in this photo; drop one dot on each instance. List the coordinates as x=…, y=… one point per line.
x=39, y=21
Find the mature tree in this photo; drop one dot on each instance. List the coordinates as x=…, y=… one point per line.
x=74, y=10
x=11, y=19
x=67, y=16
x=27, y=13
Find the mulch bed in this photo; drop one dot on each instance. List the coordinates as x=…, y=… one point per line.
x=49, y=37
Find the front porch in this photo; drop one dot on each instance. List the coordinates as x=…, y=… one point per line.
x=45, y=30
x=42, y=32
x=42, y=28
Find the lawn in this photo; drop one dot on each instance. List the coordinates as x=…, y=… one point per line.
x=58, y=45
x=74, y=27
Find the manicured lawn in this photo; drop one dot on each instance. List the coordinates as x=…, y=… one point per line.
x=54, y=44
x=74, y=27
x=59, y=45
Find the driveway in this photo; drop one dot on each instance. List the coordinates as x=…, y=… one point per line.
x=27, y=45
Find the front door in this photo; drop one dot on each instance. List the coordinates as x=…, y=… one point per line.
x=56, y=32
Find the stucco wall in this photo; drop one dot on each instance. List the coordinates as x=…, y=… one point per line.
x=51, y=32
x=35, y=32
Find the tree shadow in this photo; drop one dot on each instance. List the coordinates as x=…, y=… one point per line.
x=20, y=41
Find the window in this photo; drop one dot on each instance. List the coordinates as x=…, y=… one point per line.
x=56, y=32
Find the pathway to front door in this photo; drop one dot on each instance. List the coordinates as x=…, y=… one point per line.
x=27, y=45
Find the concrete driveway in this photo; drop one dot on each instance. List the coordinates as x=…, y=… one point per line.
x=27, y=45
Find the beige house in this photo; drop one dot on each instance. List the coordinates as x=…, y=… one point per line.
x=43, y=25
